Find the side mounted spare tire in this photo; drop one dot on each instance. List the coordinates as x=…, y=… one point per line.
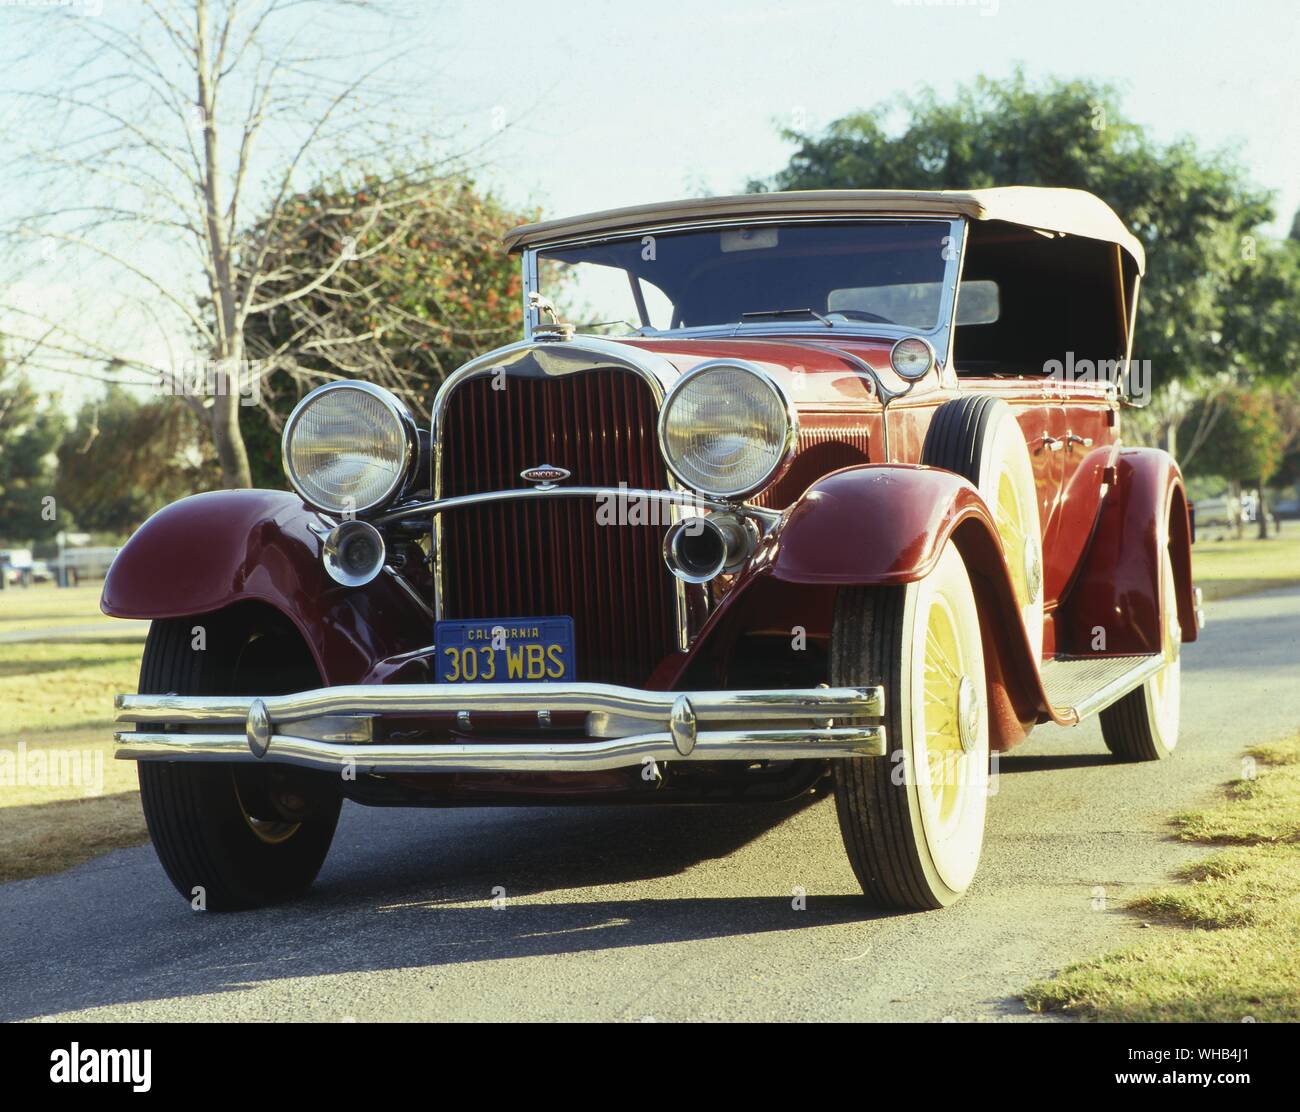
x=980, y=439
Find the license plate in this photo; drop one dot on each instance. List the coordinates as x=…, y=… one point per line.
x=504, y=650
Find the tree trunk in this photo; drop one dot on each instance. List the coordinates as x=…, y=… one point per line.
x=232, y=453
x=229, y=441
x=1262, y=511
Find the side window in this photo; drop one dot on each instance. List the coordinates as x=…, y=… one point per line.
x=979, y=303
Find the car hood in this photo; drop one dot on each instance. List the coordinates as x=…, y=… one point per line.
x=813, y=372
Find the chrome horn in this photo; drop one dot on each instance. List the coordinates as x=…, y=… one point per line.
x=698, y=549
x=354, y=553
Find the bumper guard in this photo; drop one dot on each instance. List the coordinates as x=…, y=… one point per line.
x=333, y=727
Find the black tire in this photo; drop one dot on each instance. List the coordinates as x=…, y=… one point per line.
x=1127, y=730
x=955, y=439
x=234, y=836
x=874, y=819
x=892, y=850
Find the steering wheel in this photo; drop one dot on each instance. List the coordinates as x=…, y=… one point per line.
x=859, y=314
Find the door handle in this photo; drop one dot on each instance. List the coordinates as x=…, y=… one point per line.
x=1083, y=441
x=1051, y=443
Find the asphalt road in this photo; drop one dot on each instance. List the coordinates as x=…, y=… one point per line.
x=664, y=914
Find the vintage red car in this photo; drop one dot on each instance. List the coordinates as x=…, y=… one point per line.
x=780, y=493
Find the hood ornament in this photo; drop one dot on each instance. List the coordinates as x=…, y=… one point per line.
x=544, y=476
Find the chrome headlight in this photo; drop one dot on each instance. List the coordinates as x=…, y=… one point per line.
x=726, y=429
x=349, y=447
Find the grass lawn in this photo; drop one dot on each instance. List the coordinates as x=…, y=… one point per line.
x=1223, y=569
x=63, y=798
x=1238, y=954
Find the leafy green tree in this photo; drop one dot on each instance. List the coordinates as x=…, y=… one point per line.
x=30, y=432
x=1247, y=445
x=417, y=285
x=1194, y=212
x=124, y=458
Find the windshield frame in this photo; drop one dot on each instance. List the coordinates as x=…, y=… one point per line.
x=939, y=336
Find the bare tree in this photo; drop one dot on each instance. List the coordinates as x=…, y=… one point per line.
x=139, y=156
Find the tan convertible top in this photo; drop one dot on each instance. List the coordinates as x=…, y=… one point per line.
x=1072, y=211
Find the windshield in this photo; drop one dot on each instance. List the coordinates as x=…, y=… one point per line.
x=821, y=274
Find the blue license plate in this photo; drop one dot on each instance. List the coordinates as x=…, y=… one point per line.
x=504, y=650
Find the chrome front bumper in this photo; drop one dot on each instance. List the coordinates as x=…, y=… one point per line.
x=333, y=728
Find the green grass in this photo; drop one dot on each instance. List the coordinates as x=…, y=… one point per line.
x=1236, y=952
x=47, y=605
x=57, y=700
x=1225, y=569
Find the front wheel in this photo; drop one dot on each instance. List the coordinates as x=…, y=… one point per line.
x=233, y=836
x=913, y=822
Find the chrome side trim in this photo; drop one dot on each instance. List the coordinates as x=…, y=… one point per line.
x=1120, y=686
x=584, y=756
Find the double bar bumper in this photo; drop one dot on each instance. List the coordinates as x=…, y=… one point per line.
x=333, y=727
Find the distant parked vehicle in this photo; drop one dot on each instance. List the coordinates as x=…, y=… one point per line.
x=15, y=566
x=1286, y=510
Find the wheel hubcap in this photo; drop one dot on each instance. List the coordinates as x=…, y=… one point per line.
x=968, y=714
x=1033, y=569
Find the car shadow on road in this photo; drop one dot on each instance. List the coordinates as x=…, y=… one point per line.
x=1050, y=762
x=401, y=889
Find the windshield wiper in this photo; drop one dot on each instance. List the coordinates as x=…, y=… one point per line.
x=789, y=313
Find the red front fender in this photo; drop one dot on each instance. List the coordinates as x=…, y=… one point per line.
x=874, y=525
x=210, y=551
x=886, y=525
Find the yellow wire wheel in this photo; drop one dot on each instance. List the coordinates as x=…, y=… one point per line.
x=979, y=438
x=913, y=823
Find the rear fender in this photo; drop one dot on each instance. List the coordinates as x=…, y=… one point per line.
x=210, y=551
x=1117, y=591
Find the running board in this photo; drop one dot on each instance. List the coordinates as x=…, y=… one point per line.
x=1078, y=686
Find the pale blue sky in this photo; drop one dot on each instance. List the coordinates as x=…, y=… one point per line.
x=623, y=102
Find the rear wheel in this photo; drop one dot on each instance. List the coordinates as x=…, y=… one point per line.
x=233, y=836
x=913, y=823
x=1143, y=725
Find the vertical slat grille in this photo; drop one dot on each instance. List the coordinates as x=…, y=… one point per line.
x=530, y=559
x=820, y=451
